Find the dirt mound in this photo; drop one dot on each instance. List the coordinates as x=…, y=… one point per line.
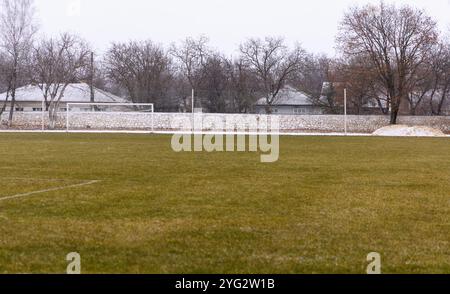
x=407, y=131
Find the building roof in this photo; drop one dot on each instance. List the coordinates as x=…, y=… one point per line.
x=74, y=93
x=288, y=96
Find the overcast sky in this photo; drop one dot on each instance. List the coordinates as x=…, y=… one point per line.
x=313, y=23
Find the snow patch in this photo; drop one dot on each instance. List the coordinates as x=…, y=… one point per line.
x=407, y=131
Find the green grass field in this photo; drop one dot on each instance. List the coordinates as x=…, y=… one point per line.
x=321, y=208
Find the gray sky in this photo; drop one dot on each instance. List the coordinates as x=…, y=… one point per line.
x=313, y=23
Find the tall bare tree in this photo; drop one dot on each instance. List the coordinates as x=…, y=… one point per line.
x=397, y=40
x=440, y=75
x=191, y=56
x=5, y=81
x=58, y=62
x=317, y=79
x=243, y=87
x=17, y=29
x=424, y=88
x=273, y=63
x=359, y=77
x=215, y=87
x=314, y=72
x=143, y=69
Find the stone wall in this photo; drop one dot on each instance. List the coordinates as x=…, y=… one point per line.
x=165, y=121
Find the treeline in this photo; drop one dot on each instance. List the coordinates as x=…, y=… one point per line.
x=148, y=72
x=392, y=59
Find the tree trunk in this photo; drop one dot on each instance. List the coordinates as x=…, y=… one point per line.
x=394, y=115
x=11, y=108
x=395, y=107
x=441, y=101
x=13, y=93
x=52, y=117
x=2, y=109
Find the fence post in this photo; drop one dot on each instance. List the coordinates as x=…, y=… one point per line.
x=345, y=111
x=67, y=116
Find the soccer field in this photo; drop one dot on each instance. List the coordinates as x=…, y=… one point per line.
x=129, y=204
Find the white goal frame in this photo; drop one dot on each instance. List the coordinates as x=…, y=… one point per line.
x=68, y=105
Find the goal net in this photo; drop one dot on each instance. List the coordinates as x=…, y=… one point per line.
x=110, y=117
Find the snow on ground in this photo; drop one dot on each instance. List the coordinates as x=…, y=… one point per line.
x=407, y=131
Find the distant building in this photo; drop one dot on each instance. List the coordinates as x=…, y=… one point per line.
x=29, y=98
x=289, y=102
x=378, y=104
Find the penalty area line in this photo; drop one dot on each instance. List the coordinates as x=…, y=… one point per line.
x=48, y=190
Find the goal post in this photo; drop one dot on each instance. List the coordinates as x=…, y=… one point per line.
x=110, y=116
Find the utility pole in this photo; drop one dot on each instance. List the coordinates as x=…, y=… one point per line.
x=91, y=78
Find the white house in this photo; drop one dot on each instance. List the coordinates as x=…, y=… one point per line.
x=289, y=102
x=29, y=98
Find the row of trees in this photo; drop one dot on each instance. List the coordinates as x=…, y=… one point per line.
x=49, y=63
x=390, y=57
x=146, y=72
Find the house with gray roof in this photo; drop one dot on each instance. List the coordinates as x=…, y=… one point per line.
x=289, y=102
x=29, y=98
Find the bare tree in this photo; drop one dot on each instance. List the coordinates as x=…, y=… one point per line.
x=440, y=75
x=425, y=86
x=314, y=72
x=5, y=81
x=317, y=79
x=397, y=40
x=215, y=87
x=56, y=64
x=143, y=69
x=191, y=56
x=359, y=77
x=16, y=37
x=243, y=86
x=272, y=63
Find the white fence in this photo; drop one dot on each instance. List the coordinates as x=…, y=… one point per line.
x=163, y=121
x=114, y=116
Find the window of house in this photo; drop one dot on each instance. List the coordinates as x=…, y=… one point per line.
x=37, y=108
x=19, y=108
x=301, y=110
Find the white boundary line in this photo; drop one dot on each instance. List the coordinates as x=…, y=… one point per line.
x=37, y=179
x=293, y=134
x=48, y=190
